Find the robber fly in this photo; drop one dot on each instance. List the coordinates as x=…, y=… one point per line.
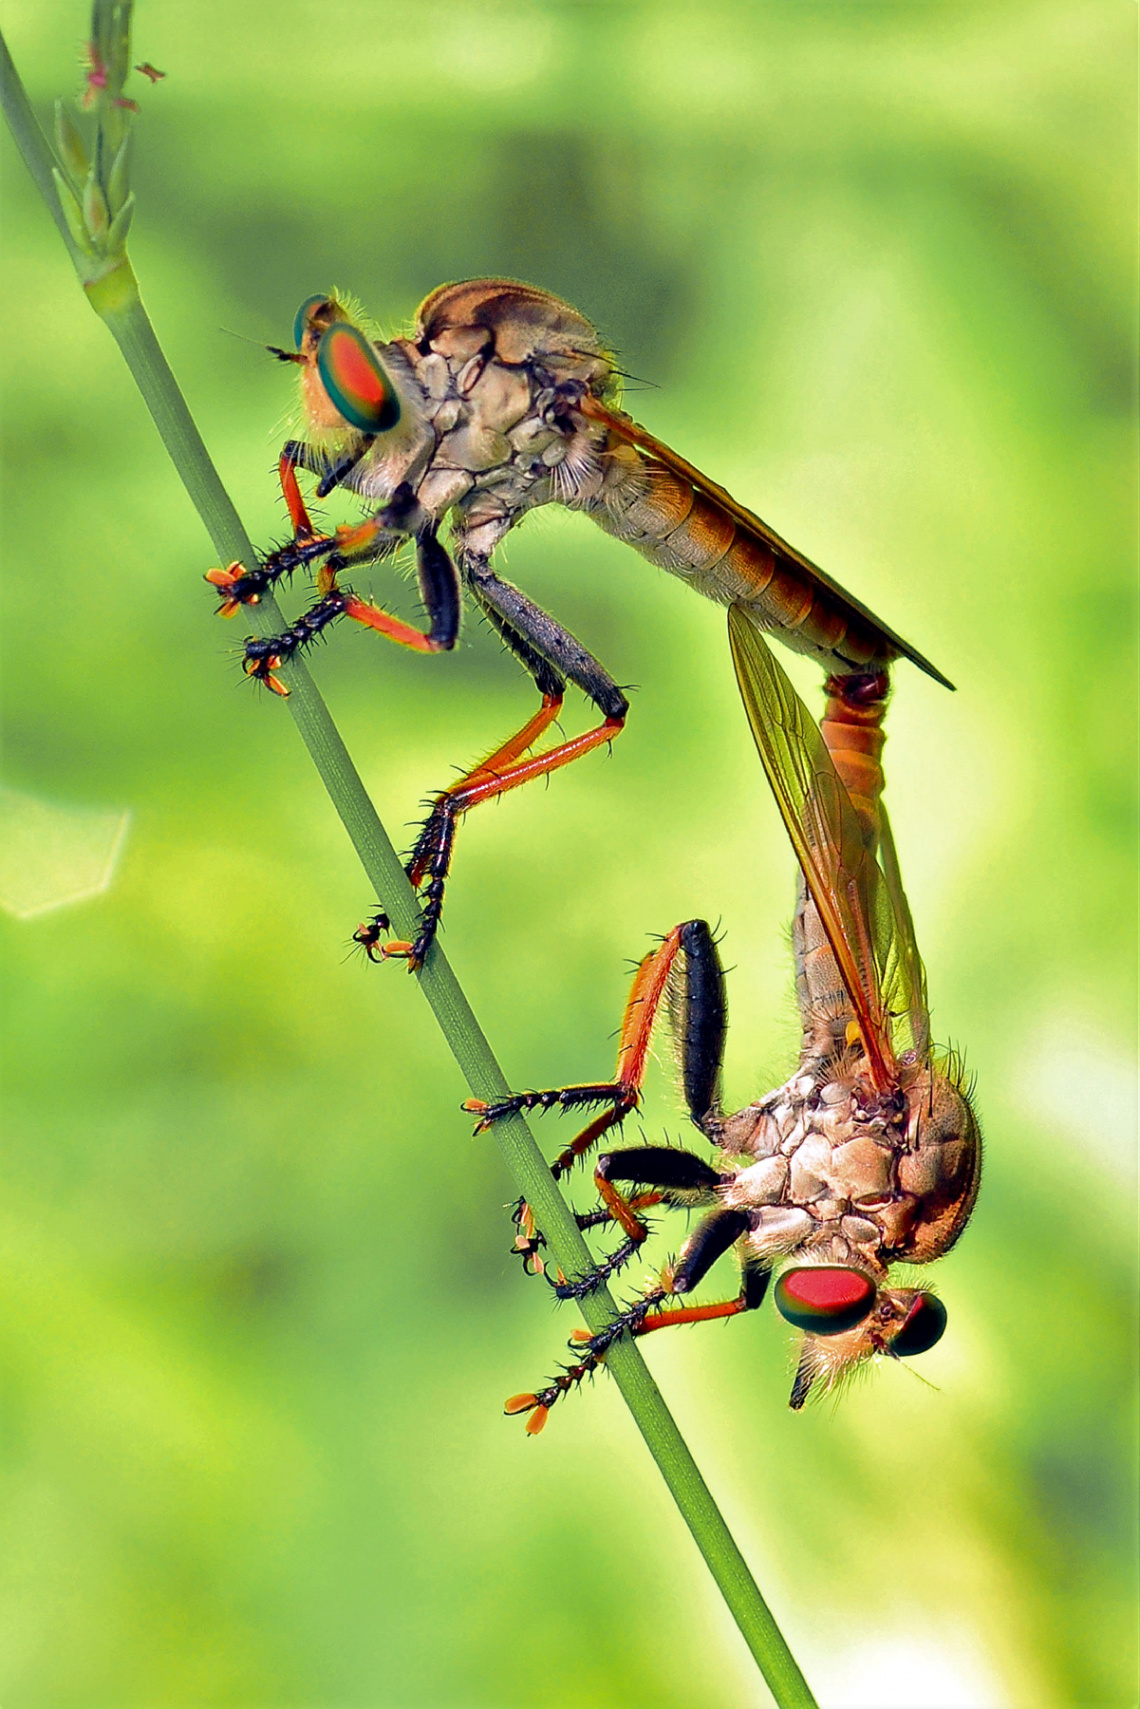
x=500, y=401
x=870, y=1154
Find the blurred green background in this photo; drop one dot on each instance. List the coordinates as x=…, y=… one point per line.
x=258, y=1315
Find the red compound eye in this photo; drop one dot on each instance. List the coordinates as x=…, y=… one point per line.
x=356, y=382
x=825, y=1299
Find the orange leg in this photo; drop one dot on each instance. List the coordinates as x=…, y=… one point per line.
x=503, y=756
x=482, y=784
x=431, y=857
x=265, y=655
x=287, y=472
x=239, y=586
x=623, y=1092
x=686, y=1314
x=499, y=772
x=714, y=1237
x=510, y=750
x=621, y=1209
x=362, y=611
x=640, y=1319
x=494, y=765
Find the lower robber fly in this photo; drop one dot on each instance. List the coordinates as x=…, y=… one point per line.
x=870, y=1155
x=503, y=400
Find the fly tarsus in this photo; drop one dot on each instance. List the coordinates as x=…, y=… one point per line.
x=629, y=1321
x=264, y=655
x=579, y=1287
x=238, y=586
x=369, y=933
x=430, y=860
x=556, y=1098
x=529, y=1240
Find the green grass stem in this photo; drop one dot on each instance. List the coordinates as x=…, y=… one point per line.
x=115, y=297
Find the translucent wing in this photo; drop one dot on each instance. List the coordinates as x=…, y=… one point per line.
x=624, y=427
x=841, y=873
x=901, y=973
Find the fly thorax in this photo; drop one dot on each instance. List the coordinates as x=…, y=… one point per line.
x=827, y=1176
x=756, y=1131
x=470, y=403
x=500, y=366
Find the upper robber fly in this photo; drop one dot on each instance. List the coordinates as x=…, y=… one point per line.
x=502, y=400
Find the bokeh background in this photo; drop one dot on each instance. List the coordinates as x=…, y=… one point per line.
x=257, y=1313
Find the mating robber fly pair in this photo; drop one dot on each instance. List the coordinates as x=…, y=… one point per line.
x=503, y=400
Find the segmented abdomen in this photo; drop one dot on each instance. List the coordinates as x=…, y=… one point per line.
x=852, y=727
x=668, y=521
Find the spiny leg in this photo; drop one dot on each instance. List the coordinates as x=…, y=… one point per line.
x=439, y=588
x=433, y=862
x=239, y=586
x=530, y=1239
x=552, y=655
x=687, y=966
x=621, y=1094
x=678, y=1179
x=377, y=536
x=430, y=858
x=713, y=1238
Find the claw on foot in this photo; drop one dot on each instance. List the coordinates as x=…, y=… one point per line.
x=488, y=1114
x=368, y=933
x=529, y=1239
x=528, y=1403
x=225, y=581
x=398, y=950
x=263, y=670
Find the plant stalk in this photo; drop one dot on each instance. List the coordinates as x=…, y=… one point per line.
x=115, y=297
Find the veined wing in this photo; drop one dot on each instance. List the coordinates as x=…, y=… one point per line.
x=842, y=877
x=625, y=428
x=902, y=977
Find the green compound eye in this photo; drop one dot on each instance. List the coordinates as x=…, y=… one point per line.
x=300, y=325
x=924, y=1325
x=824, y=1299
x=355, y=381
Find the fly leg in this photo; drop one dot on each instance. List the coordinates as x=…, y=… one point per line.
x=708, y=1242
x=619, y=1096
x=685, y=965
x=552, y=656
x=239, y=586
x=675, y=1178
x=376, y=536
x=439, y=589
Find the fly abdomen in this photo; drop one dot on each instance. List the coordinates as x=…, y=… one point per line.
x=687, y=532
x=852, y=727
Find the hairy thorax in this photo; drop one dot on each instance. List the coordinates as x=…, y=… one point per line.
x=836, y=1173
x=489, y=399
